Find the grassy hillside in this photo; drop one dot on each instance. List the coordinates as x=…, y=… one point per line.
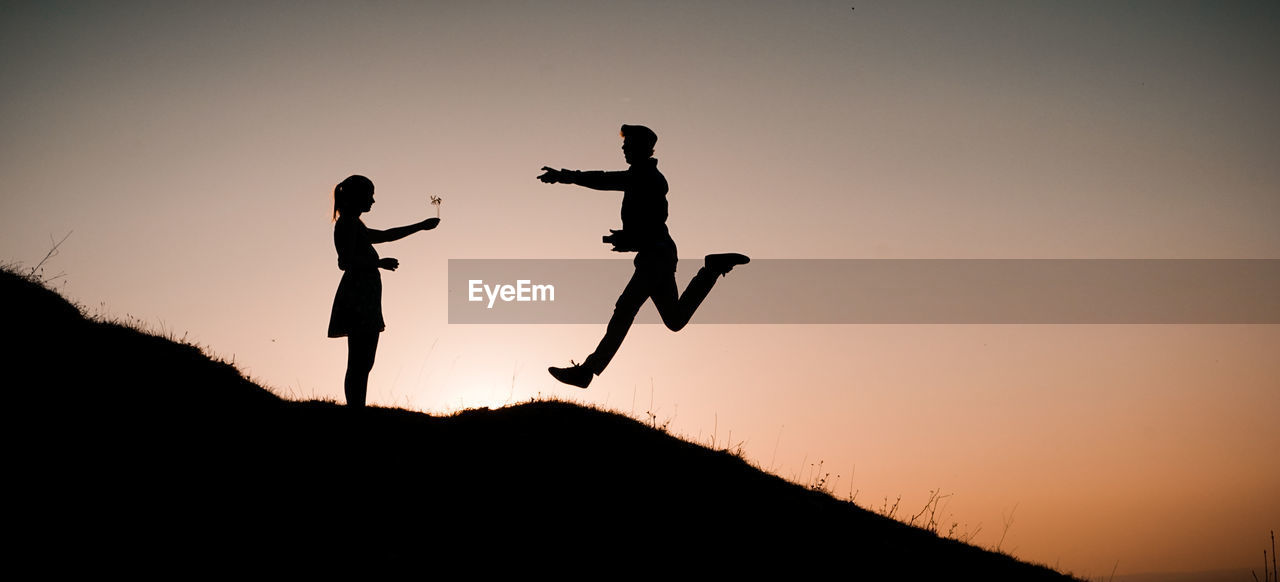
x=134, y=452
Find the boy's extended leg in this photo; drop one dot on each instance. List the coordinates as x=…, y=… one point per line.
x=633, y=296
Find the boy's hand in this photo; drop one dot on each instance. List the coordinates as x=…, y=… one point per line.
x=553, y=176
x=620, y=240
x=389, y=264
x=429, y=223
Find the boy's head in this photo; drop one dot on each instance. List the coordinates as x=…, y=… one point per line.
x=637, y=143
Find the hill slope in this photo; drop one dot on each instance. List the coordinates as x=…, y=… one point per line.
x=139, y=452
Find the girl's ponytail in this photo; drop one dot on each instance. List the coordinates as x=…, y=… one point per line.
x=337, y=195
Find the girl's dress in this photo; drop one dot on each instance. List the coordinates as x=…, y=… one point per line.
x=357, y=306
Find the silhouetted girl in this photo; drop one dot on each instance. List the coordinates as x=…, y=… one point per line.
x=357, y=307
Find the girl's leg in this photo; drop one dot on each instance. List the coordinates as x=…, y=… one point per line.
x=361, y=349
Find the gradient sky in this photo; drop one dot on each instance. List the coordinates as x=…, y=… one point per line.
x=192, y=149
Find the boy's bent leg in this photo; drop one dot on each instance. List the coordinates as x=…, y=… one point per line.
x=677, y=311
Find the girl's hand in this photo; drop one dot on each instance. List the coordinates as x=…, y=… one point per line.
x=389, y=263
x=430, y=223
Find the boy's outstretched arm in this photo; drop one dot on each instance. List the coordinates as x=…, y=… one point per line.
x=399, y=232
x=596, y=180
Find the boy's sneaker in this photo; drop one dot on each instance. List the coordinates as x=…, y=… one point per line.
x=724, y=262
x=577, y=375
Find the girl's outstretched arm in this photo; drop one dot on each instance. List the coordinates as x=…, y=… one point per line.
x=399, y=232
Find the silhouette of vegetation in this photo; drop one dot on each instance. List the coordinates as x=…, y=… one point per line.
x=1269, y=575
x=138, y=452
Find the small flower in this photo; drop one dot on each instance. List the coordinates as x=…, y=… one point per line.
x=436, y=201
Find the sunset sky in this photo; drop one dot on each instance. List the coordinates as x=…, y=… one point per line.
x=191, y=150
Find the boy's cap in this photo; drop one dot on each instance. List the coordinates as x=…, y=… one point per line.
x=640, y=134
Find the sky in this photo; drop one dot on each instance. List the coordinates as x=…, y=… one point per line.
x=190, y=149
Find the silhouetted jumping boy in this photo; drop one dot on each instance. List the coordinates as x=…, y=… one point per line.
x=357, y=306
x=644, y=232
